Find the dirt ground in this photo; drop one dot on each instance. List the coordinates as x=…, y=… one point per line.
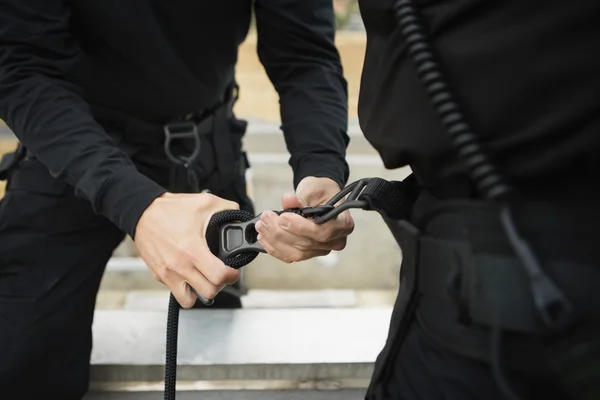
x=258, y=99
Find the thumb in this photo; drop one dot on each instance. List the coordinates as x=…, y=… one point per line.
x=290, y=200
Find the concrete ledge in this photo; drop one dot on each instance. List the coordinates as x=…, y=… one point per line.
x=348, y=394
x=290, y=345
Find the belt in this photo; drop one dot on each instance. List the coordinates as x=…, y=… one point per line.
x=151, y=132
x=185, y=138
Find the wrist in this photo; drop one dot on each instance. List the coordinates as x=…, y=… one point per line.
x=332, y=166
x=125, y=196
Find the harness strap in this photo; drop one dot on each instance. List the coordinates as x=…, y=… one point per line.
x=392, y=199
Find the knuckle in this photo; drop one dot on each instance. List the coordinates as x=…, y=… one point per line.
x=218, y=276
x=161, y=273
x=304, y=244
x=229, y=275
x=325, y=234
x=156, y=276
x=296, y=256
x=339, y=245
x=224, y=275
x=210, y=292
x=175, y=266
x=233, y=205
x=187, y=302
x=350, y=225
x=187, y=249
x=285, y=258
x=208, y=200
x=233, y=275
x=277, y=234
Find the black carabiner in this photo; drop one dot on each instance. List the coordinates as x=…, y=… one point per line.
x=182, y=130
x=353, y=191
x=236, y=238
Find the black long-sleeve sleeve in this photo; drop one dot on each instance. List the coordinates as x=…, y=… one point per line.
x=296, y=46
x=50, y=117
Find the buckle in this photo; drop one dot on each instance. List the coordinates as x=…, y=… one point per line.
x=181, y=131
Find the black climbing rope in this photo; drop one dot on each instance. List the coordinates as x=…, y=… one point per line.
x=212, y=238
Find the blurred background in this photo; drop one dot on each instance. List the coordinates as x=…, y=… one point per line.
x=365, y=274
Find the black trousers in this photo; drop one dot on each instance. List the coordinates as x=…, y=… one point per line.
x=425, y=370
x=53, y=252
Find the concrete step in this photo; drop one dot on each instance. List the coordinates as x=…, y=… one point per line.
x=339, y=394
x=157, y=300
x=239, y=349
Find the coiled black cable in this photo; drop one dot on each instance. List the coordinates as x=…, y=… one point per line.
x=553, y=307
x=212, y=238
x=482, y=171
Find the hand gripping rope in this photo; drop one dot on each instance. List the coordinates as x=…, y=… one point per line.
x=231, y=236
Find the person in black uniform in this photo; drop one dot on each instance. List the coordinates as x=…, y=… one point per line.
x=469, y=323
x=124, y=111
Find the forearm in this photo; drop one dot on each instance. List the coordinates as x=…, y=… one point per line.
x=56, y=125
x=51, y=118
x=296, y=46
x=314, y=122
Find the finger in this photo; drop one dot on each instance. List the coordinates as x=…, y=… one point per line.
x=180, y=289
x=271, y=226
x=187, y=272
x=281, y=238
x=287, y=253
x=290, y=200
x=338, y=244
x=346, y=219
x=321, y=233
x=212, y=268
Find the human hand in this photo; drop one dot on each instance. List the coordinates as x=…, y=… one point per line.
x=170, y=237
x=291, y=238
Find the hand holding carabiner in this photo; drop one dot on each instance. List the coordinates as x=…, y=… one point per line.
x=291, y=237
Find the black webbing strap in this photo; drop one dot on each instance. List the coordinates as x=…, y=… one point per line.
x=392, y=199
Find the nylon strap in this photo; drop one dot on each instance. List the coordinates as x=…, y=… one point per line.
x=392, y=199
